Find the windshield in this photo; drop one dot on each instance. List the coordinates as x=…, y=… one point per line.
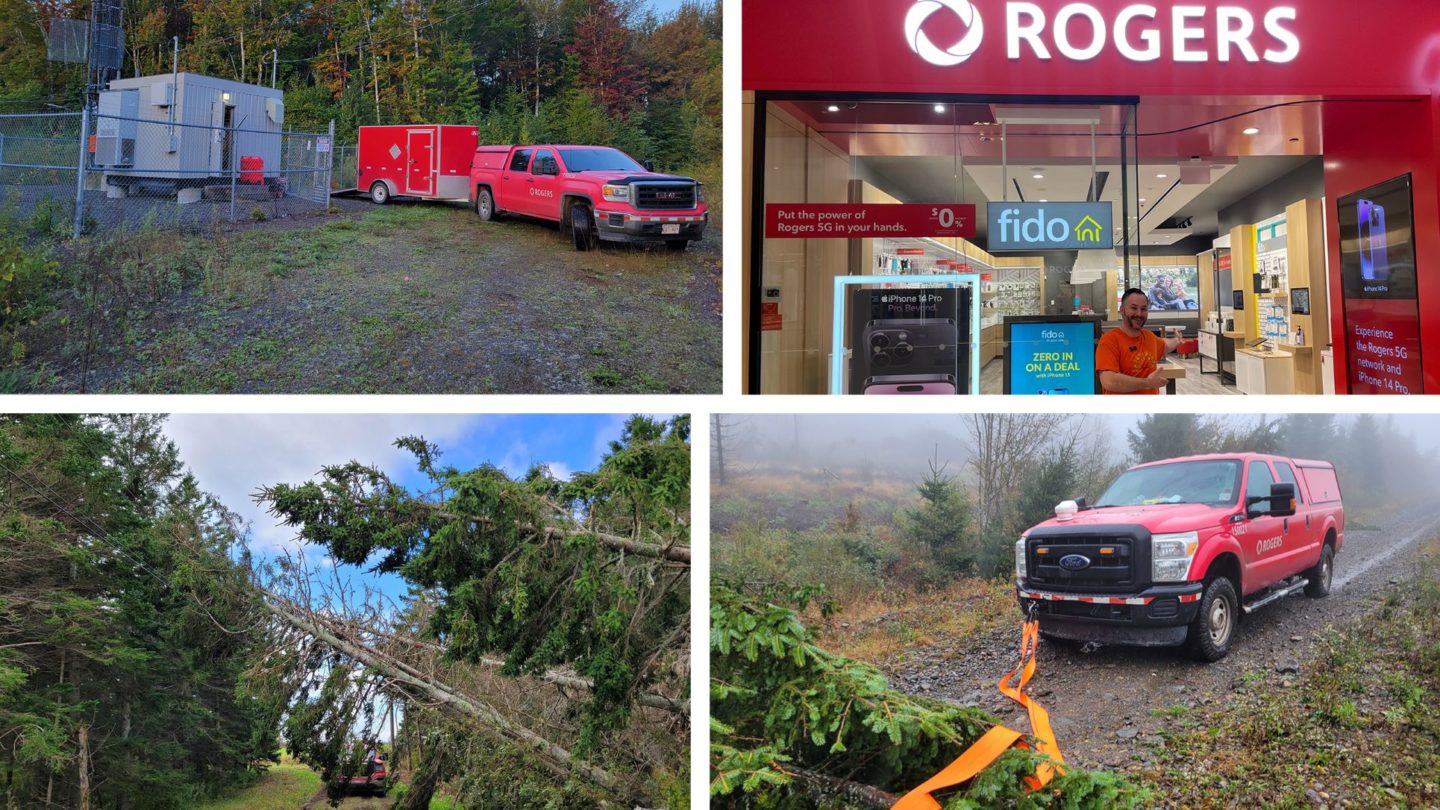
x=1209, y=482
x=598, y=160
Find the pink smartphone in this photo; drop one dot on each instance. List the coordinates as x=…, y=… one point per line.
x=934, y=384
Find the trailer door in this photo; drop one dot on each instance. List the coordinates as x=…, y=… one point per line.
x=420, y=171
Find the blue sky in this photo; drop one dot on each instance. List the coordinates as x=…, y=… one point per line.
x=234, y=455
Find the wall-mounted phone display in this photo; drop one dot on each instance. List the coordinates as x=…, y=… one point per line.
x=1377, y=245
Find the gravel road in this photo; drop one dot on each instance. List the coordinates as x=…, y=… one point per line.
x=1101, y=701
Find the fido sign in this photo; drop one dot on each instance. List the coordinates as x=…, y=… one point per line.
x=1049, y=226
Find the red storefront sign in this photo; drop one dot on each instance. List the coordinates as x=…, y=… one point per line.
x=856, y=221
x=1094, y=48
x=910, y=252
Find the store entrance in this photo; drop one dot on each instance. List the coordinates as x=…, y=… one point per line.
x=1179, y=178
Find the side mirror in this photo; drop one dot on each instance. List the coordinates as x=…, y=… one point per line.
x=1280, y=502
x=1082, y=503
x=649, y=165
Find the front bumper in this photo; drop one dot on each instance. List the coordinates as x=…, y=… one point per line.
x=1155, y=617
x=623, y=226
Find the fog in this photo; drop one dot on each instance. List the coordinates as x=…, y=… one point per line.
x=1393, y=453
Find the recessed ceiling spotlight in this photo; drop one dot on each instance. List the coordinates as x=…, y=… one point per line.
x=1044, y=201
x=1162, y=176
x=939, y=108
x=1039, y=177
x=1251, y=131
x=833, y=108
x=1142, y=199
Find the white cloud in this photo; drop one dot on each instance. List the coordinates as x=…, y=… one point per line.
x=233, y=455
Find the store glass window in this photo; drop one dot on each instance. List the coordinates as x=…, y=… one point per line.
x=942, y=219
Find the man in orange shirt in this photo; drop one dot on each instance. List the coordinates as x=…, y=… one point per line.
x=1128, y=358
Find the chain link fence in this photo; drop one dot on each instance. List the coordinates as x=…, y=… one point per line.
x=106, y=172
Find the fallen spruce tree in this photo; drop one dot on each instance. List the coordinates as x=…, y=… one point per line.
x=794, y=726
x=550, y=616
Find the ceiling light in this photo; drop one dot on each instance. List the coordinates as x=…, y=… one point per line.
x=1039, y=177
x=1252, y=131
x=1162, y=176
x=833, y=108
x=1044, y=201
x=939, y=108
x=1142, y=199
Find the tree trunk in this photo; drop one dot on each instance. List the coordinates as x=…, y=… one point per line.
x=446, y=697
x=434, y=768
x=84, y=768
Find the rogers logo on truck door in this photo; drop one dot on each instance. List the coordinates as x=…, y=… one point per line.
x=541, y=192
x=1268, y=544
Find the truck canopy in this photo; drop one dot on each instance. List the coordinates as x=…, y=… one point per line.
x=1320, y=480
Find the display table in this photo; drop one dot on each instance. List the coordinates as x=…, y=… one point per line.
x=1260, y=372
x=1171, y=372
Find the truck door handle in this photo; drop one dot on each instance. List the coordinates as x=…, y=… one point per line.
x=1285, y=526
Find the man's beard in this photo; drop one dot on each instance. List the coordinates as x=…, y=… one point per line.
x=1136, y=321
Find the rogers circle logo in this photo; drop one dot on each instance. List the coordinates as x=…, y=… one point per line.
x=927, y=50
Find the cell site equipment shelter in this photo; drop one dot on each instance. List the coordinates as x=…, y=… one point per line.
x=184, y=130
x=1271, y=171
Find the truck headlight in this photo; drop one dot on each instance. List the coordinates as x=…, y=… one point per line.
x=1171, y=555
x=699, y=192
x=615, y=193
x=1020, y=558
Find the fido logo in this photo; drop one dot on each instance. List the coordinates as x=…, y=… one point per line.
x=1040, y=228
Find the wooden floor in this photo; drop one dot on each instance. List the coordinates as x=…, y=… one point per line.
x=1194, y=384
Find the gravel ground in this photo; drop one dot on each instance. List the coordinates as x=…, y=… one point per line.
x=1101, y=701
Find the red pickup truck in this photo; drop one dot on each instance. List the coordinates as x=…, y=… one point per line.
x=594, y=192
x=1176, y=551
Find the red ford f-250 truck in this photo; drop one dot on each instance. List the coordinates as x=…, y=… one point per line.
x=1176, y=551
x=593, y=191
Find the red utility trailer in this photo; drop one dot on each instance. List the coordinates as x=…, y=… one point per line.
x=431, y=161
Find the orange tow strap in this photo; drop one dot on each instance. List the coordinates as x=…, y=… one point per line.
x=999, y=739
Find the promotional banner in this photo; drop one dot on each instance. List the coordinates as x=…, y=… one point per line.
x=1377, y=279
x=1051, y=357
x=906, y=341
x=860, y=221
x=1049, y=226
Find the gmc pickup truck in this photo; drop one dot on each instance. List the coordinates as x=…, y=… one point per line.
x=1176, y=551
x=594, y=192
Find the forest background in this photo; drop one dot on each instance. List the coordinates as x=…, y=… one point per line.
x=524, y=71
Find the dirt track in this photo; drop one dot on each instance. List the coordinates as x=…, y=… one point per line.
x=1103, y=703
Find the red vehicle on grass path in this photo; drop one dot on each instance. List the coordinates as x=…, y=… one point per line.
x=1176, y=551
x=594, y=192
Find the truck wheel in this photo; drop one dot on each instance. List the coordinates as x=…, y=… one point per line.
x=582, y=226
x=1214, y=626
x=1321, y=574
x=379, y=192
x=677, y=245
x=484, y=205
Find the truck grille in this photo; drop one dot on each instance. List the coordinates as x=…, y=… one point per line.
x=1111, y=567
x=668, y=196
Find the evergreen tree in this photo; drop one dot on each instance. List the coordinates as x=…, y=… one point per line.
x=942, y=522
x=125, y=624
x=1164, y=435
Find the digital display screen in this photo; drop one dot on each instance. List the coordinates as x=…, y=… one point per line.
x=1377, y=282
x=1051, y=357
x=1377, y=242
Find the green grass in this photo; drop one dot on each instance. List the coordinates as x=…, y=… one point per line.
x=1358, y=721
x=402, y=299
x=284, y=787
